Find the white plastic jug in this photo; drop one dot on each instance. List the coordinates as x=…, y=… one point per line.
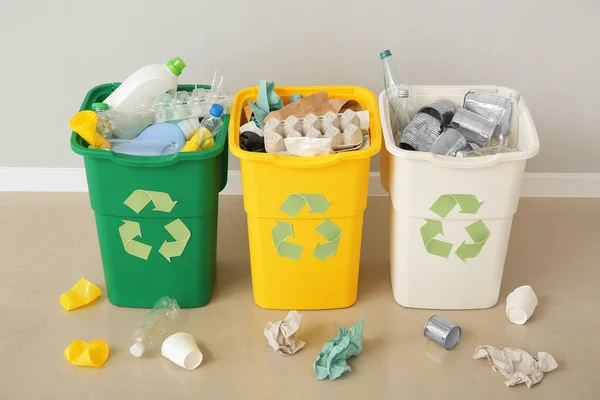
x=145, y=84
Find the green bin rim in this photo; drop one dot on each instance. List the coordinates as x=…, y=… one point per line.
x=80, y=146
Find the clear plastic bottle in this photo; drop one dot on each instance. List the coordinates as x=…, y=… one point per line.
x=154, y=326
x=513, y=135
x=103, y=127
x=404, y=113
x=209, y=128
x=119, y=124
x=400, y=96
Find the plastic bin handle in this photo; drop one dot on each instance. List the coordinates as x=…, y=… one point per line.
x=127, y=160
x=307, y=162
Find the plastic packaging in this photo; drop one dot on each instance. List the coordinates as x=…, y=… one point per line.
x=84, y=124
x=181, y=348
x=399, y=95
x=146, y=84
x=218, y=94
x=154, y=326
x=103, y=125
x=119, y=124
x=170, y=132
x=513, y=136
x=209, y=128
x=182, y=105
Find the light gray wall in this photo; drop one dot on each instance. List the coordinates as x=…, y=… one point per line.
x=52, y=52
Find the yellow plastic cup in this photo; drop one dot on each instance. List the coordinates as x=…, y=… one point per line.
x=81, y=294
x=84, y=124
x=83, y=354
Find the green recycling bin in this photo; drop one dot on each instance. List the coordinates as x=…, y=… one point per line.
x=156, y=217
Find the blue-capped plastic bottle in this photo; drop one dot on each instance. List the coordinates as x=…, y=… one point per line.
x=209, y=128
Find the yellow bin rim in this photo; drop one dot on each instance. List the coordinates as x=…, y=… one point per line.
x=365, y=98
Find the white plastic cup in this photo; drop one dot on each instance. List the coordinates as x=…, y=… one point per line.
x=181, y=348
x=520, y=305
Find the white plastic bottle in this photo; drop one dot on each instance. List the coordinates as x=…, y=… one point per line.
x=146, y=84
x=154, y=326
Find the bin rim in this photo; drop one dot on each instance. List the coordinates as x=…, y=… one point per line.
x=313, y=161
x=454, y=162
x=80, y=146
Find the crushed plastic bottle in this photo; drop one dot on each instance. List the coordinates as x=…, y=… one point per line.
x=154, y=326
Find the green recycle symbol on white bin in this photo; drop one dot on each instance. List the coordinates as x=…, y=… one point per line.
x=317, y=204
x=477, y=231
x=130, y=230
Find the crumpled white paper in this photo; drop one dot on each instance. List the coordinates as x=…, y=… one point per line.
x=305, y=146
x=516, y=365
x=282, y=334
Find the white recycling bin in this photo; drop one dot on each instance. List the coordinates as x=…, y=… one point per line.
x=451, y=217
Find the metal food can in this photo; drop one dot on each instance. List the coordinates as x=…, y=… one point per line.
x=442, y=332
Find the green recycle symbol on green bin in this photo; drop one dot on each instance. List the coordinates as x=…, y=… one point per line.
x=283, y=230
x=130, y=230
x=477, y=231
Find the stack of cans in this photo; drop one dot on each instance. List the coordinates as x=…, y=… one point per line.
x=439, y=128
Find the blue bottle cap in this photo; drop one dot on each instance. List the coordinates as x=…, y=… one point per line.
x=216, y=110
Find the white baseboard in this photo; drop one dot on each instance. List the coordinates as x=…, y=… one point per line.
x=14, y=179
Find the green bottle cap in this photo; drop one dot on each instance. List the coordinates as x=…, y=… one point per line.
x=100, y=106
x=385, y=54
x=176, y=65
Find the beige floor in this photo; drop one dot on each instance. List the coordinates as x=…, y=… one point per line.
x=49, y=240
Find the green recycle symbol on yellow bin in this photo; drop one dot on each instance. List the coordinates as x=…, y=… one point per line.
x=477, y=231
x=130, y=230
x=283, y=230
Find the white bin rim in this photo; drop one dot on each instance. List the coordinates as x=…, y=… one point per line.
x=528, y=142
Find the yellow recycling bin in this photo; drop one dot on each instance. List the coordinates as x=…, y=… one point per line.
x=305, y=214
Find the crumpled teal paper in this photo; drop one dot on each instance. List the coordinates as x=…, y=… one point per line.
x=295, y=97
x=266, y=102
x=332, y=359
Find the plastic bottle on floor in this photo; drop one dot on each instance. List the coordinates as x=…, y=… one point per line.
x=146, y=84
x=154, y=326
